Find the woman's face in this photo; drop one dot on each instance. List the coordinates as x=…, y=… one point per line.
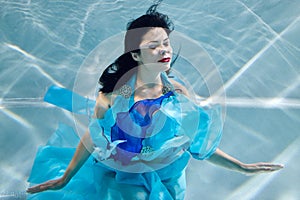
x=155, y=50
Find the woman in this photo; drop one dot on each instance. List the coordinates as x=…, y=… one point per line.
x=145, y=125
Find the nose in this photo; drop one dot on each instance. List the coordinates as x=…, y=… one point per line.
x=163, y=51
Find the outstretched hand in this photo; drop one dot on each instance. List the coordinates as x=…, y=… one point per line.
x=49, y=185
x=255, y=168
x=222, y=159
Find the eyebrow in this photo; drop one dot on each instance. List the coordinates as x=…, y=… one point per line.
x=155, y=41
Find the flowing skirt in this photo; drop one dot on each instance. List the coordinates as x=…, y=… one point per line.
x=95, y=181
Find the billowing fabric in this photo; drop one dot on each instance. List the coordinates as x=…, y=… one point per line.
x=141, y=149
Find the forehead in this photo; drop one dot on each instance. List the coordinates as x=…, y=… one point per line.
x=155, y=34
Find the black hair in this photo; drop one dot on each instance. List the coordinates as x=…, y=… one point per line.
x=125, y=63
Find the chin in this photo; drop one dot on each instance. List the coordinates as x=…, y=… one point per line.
x=160, y=67
x=165, y=67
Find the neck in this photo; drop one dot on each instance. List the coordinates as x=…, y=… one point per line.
x=148, y=85
x=145, y=78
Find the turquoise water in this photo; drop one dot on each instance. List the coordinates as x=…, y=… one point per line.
x=254, y=45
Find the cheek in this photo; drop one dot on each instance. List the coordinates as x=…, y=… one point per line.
x=150, y=54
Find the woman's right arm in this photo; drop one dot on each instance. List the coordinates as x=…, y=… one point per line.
x=82, y=153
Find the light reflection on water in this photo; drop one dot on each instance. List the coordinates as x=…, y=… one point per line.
x=254, y=44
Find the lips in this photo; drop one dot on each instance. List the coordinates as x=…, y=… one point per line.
x=164, y=60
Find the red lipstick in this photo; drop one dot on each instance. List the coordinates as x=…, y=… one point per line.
x=164, y=60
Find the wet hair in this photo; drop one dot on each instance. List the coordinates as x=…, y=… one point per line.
x=117, y=72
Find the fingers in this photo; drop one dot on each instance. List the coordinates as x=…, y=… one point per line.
x=269, y=166
x=49, y=185
x=37, y=188
x=255, y=168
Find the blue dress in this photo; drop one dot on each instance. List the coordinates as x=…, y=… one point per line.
x=141, y=148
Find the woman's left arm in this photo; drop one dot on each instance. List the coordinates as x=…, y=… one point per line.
x=224, y=160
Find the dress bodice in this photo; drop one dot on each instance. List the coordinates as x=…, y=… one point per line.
x=151, y=131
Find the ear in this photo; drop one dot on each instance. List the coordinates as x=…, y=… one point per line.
x=135, y=56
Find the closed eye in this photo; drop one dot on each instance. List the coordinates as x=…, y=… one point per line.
x=152, y=46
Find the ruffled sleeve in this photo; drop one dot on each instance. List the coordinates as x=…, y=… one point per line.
x=208, y=135
x=202, y=126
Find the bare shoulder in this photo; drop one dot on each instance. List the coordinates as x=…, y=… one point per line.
x=103, y=103
x=179, y=87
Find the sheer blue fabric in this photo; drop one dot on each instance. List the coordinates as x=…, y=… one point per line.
x=141, y=148
x=139, y=114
